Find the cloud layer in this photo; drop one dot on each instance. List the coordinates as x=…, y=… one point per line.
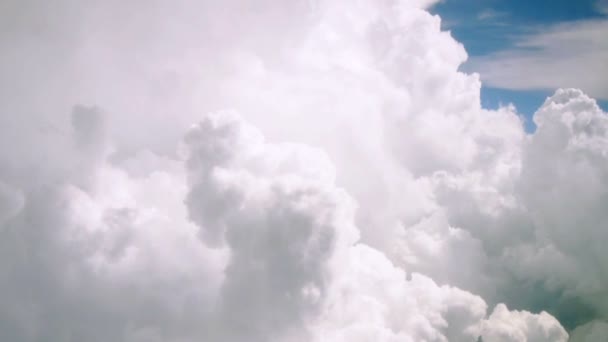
x=297, y=171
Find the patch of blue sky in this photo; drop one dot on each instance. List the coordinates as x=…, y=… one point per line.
x=526, y=101
x=490, y=26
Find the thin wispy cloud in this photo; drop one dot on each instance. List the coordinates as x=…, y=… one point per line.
x=490, y=14
x=602, y=6
x=569, y=54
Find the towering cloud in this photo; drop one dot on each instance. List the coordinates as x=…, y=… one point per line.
x=285, y=171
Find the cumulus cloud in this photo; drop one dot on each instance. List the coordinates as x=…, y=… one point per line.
x=562, y=187
x=323, y=173
x=276, y=209
x=505, y=325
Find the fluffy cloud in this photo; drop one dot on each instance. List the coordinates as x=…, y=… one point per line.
x=276, y=209
x=360, y=194
x=505, y=325
x=123, y=262
x=106, y=262
x=562, y=186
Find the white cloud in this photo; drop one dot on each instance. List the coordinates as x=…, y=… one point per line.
x=562, y=55
x=288, y=267
x=561, y=186
x=505, y=325
x=363, y=195
x=490, y=14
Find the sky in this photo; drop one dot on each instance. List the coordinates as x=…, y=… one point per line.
x=302, y=171
x=492, y=32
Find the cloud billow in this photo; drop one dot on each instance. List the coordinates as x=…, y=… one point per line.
x=340, y=181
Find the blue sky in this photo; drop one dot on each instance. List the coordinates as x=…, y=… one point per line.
x=546, y=44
